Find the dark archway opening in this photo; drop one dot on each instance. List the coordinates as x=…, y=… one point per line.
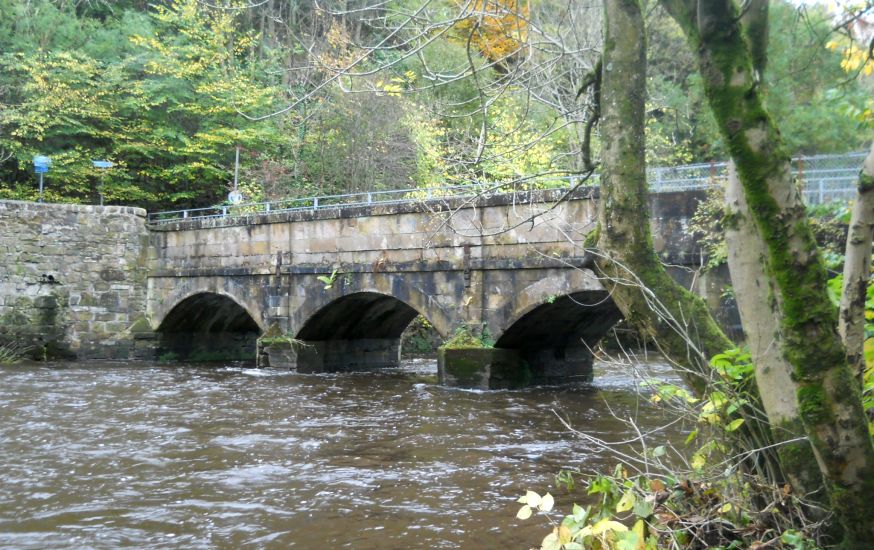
x=208, y=327
x=355, y=332
x=555, y=338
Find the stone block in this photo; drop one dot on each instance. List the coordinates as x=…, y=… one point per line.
x=482, y=368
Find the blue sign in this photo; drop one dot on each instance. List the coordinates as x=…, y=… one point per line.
x=102, y=164
x=41, y=164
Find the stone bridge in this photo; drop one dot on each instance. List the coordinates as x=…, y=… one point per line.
x=335, y=289
x=323, y=290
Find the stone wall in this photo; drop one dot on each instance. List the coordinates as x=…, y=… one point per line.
x=72, y=279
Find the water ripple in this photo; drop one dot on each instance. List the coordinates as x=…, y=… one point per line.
x=148, y=456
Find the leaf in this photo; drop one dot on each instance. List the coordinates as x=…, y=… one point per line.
x=524, y=512
x=642, y=509
x=656, y=485
x=608, y=525
x=659, y=451
x=573, y=546
x=546, y=503
x=532, y=499
x=734, y=424
x=725, y=508
x=551, y=542
x=639, y=530
x=626, y=503
x=698, y=461
x=579, y=513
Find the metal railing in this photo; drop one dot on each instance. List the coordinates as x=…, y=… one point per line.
x=824, y=178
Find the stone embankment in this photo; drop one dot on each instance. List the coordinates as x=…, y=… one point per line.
x=73, y=278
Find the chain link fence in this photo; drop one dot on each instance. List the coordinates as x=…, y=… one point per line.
x=823, y=178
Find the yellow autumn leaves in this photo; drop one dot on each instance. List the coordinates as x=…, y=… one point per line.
x=497, y=28
x=855, y=59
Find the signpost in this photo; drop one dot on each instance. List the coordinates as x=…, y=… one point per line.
x=103, y=166
x=235, y=197
x=41, y=165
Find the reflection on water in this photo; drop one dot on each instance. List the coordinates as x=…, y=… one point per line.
x=142, y=455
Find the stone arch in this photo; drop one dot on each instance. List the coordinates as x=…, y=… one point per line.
x=167, y=300
x=547, y=289
x=356, y=330
x=562, y=321
x=554, y=323
x=386, y=284
x=363, y=314
x=208, y=326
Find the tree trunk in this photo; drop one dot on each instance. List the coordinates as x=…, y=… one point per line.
x=857, y=267
x=650, y=300
x=755, y=295
x=828, y=395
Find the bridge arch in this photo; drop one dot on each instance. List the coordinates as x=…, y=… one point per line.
x=556, y=321
x=167, y=296
x=561, y=321
x=208, y=326
x=358, y=315
x=356, y=330
x=390, y=285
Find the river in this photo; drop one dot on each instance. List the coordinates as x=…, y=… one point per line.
x=155, y=456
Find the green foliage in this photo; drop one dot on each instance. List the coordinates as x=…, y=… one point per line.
x=464, y=338
x=328, y=280
x=724, y=408
x=708, y=225
x=817, y=108
x=162, y=89
x=643, y=512
x=162, y=104
x=419, y=337
x=681, y=499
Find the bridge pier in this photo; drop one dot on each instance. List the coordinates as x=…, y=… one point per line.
x=481, y=368
x=333, y=355
x=561, y=366
x=497, y=368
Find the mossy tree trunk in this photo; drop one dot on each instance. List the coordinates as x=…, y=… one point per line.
x=755, y=293
x=828, y=395
x=651, y=301
x=857, y=267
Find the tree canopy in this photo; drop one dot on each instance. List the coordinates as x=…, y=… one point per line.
x=446, y=92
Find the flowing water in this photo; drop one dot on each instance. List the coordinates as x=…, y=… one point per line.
x=152, y=456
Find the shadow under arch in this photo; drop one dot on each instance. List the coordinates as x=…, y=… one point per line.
x=207, y=326
x=357, y=331
x=555, y=337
